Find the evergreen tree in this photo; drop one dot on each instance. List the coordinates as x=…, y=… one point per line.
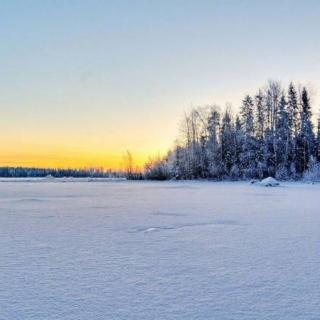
x=318, y=140
x=281, y=156
x=247, y=116
x=260, y=116
x=204, y=156
x=227, y=143
x=260, y=131
x=214, y=156
x=238, y=144
x=293, y=111
x=247, y=156
x=179, y=170
x=293, y=127
x=305, y=140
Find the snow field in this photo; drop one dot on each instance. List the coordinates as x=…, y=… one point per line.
x=159, y=250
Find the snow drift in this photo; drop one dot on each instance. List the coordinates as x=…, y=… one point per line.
x=269, y=182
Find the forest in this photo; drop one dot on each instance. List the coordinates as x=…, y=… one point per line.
x=273, y=134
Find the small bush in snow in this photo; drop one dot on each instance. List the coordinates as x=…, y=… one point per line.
x=313, y=173
x=157, y=170
x=282, y=173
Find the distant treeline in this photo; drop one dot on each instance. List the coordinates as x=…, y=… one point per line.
x=274, y=134
x=20, y=172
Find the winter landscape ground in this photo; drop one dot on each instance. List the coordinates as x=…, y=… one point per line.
x=158, y=250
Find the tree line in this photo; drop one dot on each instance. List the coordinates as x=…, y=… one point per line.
x=273, y=134
x=21, y=172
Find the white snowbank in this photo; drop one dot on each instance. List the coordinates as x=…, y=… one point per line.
x=49, y=177
x=269, y=182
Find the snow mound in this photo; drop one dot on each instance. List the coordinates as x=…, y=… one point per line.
x=49, y=177
x=269, y=182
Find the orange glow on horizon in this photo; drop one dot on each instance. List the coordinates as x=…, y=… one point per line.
x=64, y=157
x=78, y=161
x=51, y=144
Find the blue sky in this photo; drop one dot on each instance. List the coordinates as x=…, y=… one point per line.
x=90, y=79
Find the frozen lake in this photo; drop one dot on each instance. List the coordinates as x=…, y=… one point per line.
x=166, y=250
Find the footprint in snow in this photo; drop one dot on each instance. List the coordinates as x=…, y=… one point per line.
x=189, y=225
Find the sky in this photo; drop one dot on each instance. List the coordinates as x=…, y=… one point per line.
x=82, y=81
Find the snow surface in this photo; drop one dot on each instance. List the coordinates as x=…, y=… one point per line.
x=165, y=250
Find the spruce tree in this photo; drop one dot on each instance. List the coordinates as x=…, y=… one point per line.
x=238, y=145
x=227, y=143
x=293, y=127
x=259, y=131
x=214, y=157
x=293, y=109
x=318, y=140
x=281, y=155
x=247, y=157
x=260, y=116
x=306, y=140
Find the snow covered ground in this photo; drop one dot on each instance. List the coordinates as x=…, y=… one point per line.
x=166, y=250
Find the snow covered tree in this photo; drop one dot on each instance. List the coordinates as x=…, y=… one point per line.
x=238, y=144
x=273, y=95
x=228, y=147
x=281, y=134
x=318, y=141
x=247, y=156
x=293, y=111
x=214, y=150
x=178, y=161
x=157, y=169
x=293, y=127
x=260, y=132
x=247, y=116
x=306, y=139
x=260, y=116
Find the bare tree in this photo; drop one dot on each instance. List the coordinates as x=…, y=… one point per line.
x=128, y=164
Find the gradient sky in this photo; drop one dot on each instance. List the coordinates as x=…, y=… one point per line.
x=82, y=81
